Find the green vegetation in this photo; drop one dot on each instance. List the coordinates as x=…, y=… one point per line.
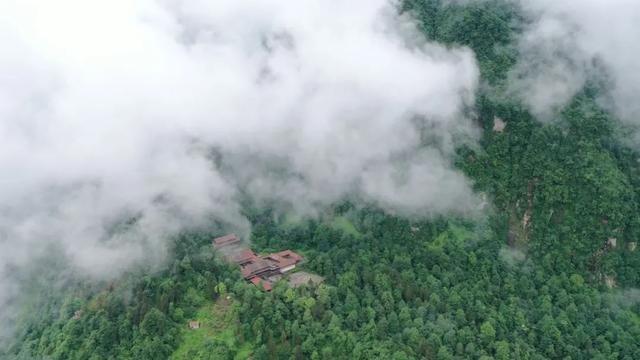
x=529, y=281
x=345, y=225
x=216, y=337
x=142, y=317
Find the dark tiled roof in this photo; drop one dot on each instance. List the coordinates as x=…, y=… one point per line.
x=243, y=256
x=285, y=258
x=255, y=267
x=225, y=240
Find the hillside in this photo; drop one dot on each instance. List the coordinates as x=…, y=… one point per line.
x=547, y=267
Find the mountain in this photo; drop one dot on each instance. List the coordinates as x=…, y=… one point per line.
x=544, y=266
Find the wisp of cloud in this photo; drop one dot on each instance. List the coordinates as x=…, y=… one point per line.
x=565, y=43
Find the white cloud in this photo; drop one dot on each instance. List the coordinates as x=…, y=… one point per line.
x=567, y=42
x=110, y=110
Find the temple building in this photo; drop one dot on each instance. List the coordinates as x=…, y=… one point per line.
x=259, y=270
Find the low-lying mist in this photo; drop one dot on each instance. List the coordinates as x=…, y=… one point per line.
x=567, y=44
x=161, y=115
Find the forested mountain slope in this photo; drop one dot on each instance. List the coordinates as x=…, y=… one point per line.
x=549, y=271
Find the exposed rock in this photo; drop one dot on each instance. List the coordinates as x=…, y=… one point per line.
x=610, y=281
x=484, y=202
x=526, y=219
x=498, y=124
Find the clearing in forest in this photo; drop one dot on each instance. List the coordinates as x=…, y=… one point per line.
x=217, y=334
x=346, y=226
x=300, y=278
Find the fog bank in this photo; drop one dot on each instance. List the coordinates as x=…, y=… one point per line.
x=166, y=112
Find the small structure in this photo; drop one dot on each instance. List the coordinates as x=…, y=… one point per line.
x=243, y=257
x=612, y=242
x=285, y=260
x=258, y=267
x=77, y=315
x=225, y=241
x=232, y=249
x=632, y=246
x=498, y=124
x=269, y=265
x=194, y=325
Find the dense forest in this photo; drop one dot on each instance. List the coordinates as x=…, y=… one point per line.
x=549, y=270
